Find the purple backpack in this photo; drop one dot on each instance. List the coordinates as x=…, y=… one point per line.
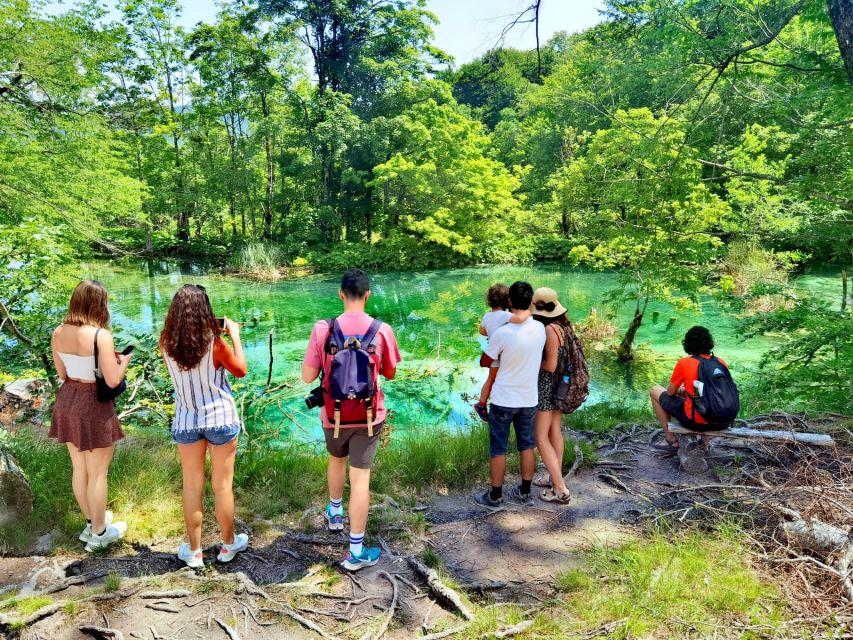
x=350, y=381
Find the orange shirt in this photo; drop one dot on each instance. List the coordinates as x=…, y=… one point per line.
x=223, y=356
x=686, y=372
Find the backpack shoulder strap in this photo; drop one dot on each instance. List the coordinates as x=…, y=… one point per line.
x=371, y=332
x=335, y=336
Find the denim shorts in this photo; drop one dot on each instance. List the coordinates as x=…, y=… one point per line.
x=216, y=436
x=500, y=418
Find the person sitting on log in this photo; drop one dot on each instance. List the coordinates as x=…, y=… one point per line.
x=678, y=400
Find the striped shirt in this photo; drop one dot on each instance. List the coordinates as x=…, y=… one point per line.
x=203, y=398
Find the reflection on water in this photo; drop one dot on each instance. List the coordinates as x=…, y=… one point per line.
x=435, y=315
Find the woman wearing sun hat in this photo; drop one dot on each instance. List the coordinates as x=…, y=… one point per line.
x=546, y=308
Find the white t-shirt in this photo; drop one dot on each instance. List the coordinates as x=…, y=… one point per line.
x=494, y=320
x=520, y=347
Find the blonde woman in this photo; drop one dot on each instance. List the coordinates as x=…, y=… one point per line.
x=87, y=426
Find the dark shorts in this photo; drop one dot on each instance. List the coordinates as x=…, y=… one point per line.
x=355, y=444
x=500, y=419
x=674, y=406
x=215, y=437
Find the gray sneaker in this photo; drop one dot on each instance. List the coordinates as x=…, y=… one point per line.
x=525, y=499
x=485, y=500
x=113, y=533
x=86, y=535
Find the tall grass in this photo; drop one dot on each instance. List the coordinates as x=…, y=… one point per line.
x=259, y=259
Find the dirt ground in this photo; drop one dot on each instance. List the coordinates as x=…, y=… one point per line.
x=511, y=555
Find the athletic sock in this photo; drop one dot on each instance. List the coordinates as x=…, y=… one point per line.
x=102, y=532
x=356, y=543
x=89, y=522
x=497, y=493
x=336, y=506
x=525, y=486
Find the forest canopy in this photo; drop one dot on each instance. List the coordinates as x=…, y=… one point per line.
x=663, y=142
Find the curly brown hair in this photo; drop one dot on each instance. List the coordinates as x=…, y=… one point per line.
x=190, y=326
x=498, y=296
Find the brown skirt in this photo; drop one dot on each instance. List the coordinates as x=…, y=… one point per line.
x=81, y=419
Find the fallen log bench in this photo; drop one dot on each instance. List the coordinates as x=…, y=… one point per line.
x=691, y=454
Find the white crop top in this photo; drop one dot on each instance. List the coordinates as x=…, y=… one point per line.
x=78, y=367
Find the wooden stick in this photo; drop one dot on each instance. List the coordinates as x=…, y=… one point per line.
x=305, y=622
x=444, y=634
x=103, y=633
x=228, y=630
x=269, y=373
x=157, y=595
x=391, y=608
x=441, y=591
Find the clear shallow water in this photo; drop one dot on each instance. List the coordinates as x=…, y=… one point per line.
x=435, y=315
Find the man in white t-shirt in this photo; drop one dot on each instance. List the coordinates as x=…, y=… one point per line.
x=515, y=394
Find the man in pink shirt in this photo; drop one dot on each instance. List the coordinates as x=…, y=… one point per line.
x=354, y=441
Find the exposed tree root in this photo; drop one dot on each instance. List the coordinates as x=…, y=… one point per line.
x=439, y=589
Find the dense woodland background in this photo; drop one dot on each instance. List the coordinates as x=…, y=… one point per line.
x=696, y=146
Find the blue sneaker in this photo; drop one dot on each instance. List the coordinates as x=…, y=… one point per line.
x=334, y=522
x=369, y=557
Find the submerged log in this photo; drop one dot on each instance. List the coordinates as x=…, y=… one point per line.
x=16, y=496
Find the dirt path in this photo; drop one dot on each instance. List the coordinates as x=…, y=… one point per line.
x=512, y=555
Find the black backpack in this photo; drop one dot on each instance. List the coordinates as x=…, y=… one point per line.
x=719, y=401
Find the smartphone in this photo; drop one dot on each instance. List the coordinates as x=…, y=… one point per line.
x=221, y=322
x=128, y=350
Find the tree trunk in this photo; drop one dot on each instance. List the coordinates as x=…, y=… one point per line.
x=841, y=14
x=626, y=347
x=270, y=187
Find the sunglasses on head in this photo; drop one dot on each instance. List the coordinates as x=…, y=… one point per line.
x=544, y=306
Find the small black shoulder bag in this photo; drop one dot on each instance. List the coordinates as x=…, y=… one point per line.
x=104, y=391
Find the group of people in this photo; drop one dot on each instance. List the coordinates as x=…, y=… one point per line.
x=530, y=341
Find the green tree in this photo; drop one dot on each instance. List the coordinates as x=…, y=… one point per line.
x=645, y=212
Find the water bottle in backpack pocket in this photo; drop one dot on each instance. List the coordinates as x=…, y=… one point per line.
x=349, y=384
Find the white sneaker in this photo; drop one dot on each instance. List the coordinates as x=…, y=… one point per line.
x=228, y=551
x=87, y=532
x=114, y=532
x=193, y=559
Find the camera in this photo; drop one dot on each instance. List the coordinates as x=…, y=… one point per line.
x=315, y=398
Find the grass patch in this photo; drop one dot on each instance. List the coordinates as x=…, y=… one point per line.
x=654, y=585
x=418, y=461
x=112, y=582
x=25, y=606
x=145, y=490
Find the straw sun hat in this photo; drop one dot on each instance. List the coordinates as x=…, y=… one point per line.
x=545, y=303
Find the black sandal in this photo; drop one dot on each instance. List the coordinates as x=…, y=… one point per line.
x=667, y=447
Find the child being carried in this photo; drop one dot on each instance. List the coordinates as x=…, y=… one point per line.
x=498, y=300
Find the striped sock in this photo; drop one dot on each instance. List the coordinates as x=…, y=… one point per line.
x=337, y=506
x=356, y=543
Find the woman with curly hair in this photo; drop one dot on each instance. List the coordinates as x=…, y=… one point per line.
x=87, y=426
x=206, y=417
x=676, y=400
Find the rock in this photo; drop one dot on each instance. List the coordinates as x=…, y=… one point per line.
x=16, y=496
x=413, y=317
x=691, y=455
x=43, y=545
x=24, y=389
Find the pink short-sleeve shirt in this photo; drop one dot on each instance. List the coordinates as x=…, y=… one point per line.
x=355, y=323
